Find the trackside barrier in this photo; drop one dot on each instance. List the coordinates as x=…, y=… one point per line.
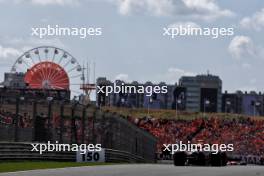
x=116, y=156
x=22, y=151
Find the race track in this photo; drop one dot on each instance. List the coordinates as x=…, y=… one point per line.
x=145, y=170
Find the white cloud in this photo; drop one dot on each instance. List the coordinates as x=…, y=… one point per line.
x=185, y=25
x=54, y=2
x=256, y=21
x=8, y=52
x=241, y=46
x=122, y=77
x=51, y=42
x=156, y=7
x=45, y=2
x=173, y=74
x=206, y=9
x=35, y=42
x=21, y=45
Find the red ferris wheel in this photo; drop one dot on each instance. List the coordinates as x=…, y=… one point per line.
x=49, y=67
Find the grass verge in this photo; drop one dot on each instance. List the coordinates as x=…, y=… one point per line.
x=33, y=165
x=171, y=114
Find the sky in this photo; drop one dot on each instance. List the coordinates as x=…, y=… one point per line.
x=132, y=45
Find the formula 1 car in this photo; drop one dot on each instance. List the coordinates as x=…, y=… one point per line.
x=200, y=159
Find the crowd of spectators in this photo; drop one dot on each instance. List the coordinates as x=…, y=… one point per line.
x=25, y=121
x=8, y=118
x=246, y=134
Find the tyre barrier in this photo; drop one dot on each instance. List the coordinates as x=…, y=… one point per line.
x=22, y=152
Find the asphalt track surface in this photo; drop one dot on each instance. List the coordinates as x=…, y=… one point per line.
x=145, y=170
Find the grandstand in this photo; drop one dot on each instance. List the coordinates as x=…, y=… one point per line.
x=245, y=132
x=72, y=123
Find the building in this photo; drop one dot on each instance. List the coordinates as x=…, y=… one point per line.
x=14, y=80
x=135, y=100
x=179, y=98
x=232, y=102
x=191, y=94
x=203, y=93
x=251, y=103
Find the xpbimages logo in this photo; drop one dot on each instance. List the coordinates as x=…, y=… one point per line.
x=57, y=147
x=191, y=29
x=131, y=89
x=81, y=32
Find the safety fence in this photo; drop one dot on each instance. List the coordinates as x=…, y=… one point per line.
x=22, y=152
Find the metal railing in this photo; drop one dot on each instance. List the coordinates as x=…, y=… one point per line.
x=22, y=151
